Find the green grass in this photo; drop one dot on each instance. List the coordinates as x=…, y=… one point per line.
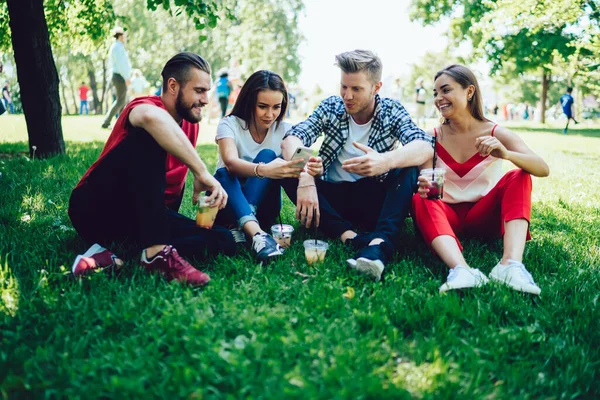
x=272, y=333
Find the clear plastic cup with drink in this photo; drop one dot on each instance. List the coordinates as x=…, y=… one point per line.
x=282, y=233
x=435, y=176
x=206, y=215
x=315, y=250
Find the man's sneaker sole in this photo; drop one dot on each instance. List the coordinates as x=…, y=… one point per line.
x=371, y=268
x=351, y=263
x=521, y=288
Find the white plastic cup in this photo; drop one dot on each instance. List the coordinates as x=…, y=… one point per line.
x=282, y=233
x=315, y=250
x=206, y=215
x=436, y=182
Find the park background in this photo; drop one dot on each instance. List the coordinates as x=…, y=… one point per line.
x=290, y=330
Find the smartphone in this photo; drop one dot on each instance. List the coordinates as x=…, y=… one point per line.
x=303, y=153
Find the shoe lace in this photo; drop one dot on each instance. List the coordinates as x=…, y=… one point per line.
x=179, y=263
x=259, y=242
x=451, y=275
x=238, y=236
x=522, y=271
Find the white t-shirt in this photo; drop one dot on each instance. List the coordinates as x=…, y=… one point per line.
x=357, y=133
x=248, y=149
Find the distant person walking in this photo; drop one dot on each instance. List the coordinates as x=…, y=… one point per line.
x=121, y=68
x=223, y=90
x=83, y=99
x=420, y=96
x=566, y=102
x=8, y=103
x=139, y=85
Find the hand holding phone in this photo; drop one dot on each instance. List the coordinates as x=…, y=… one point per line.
x=303, y=153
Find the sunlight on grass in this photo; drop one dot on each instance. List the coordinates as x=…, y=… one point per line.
x=9, y=290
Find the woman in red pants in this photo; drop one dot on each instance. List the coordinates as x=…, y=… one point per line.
x=478, y=200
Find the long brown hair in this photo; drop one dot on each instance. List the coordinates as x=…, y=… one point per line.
x=465, y=78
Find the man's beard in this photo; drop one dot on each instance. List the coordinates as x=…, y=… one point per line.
x=184, y=111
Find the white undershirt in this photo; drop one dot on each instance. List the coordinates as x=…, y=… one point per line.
x=356, y=133
x=233, y=127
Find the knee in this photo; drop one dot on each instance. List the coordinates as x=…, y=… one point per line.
x=265, y=155
x=519, y=175
x=223, y=176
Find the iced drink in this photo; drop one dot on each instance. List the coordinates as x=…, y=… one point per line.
x=436, y=182
x=315, y=251
x=205, y=217
x=282, y=234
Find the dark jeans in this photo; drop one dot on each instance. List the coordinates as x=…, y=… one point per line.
x=119, y=83
x=223, y=102
x=123, y=201
x=378, y=208
x=250, y=199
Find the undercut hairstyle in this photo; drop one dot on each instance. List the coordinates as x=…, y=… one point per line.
x=361, y=61
x=465, y=78
x=179, y=66
x=245, y=104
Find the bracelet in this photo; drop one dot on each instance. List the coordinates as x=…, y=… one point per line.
x=303, y=186
x=256, y=174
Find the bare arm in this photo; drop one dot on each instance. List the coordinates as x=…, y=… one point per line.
x=276, y=169
x=509, y=146
x=167, y=133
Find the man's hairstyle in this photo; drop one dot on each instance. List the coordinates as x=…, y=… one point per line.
x=179, y=66
x=361, y=61
x=245, y=104
x=569, y=89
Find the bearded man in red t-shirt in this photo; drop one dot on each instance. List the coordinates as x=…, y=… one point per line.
x=131, y=194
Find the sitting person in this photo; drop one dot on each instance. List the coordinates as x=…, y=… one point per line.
x=249, y=166
x=368, y=182
x=477, y=200
x=131, y=194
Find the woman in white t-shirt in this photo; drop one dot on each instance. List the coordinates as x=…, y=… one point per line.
x=249, y=166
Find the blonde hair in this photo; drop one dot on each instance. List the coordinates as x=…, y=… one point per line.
x=360, y=61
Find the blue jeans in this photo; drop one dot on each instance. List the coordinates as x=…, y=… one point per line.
x=250, y=199
x=84, y=104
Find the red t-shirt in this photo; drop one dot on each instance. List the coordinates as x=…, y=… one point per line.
x=176, y=170
x=83, y=92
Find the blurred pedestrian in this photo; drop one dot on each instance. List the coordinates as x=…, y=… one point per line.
x=121, y=70
x=83, y=99
x=420, y=96
x=8, y=103
x=223, y=90
x=139, y=85
x=566, y=102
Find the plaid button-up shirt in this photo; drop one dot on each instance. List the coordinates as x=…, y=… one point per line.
x=391, y=123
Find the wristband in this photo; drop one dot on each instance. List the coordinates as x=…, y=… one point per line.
x=303, y=186
x=256, y=170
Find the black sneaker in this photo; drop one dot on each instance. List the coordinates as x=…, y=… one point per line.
x=238, y=235
x=265, y=247
x=370, y=261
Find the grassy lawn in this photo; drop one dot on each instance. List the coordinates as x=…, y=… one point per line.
x=287, y=330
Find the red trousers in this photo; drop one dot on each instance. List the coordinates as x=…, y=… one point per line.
x=510, y=199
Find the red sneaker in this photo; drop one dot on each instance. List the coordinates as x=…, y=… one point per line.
x=95, y=258
x=169, y=263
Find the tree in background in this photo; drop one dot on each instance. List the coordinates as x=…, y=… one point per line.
x=34, y=23
x=503, y=32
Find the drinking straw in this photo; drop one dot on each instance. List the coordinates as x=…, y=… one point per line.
x=316, y=227
x=434, y=158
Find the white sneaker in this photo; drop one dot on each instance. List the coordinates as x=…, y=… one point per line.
x=371, y=268
x=351, y=263
x=461, y=277
x=516, y=276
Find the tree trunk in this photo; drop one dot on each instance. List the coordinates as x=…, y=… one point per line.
x=545, y=82
x=37, y=76
x=104, y=85
x=94, y=86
